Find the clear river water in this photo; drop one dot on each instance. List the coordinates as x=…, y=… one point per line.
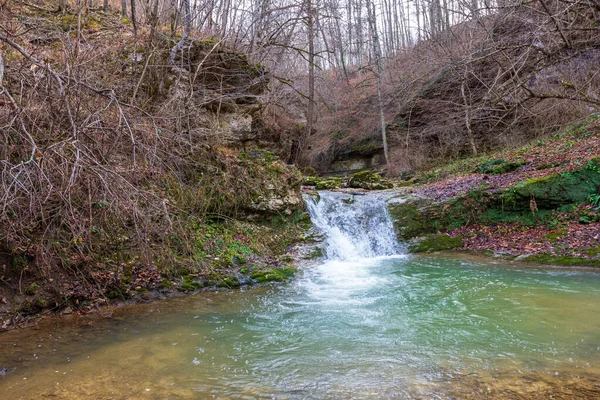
x=366, y=322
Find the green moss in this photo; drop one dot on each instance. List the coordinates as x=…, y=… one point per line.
x=229, y=282
x=418, y=216
x=32, y=289
x=546, y=258
x=329, y=183
x=547, y=196
x=434, y=242
x=499, y=166
x=317, y=252
x=309, y=171
x=553, y=191
x=311, y=180
x=553, y=237
x=273, y=274
x=167, y=284
x=369, y=180
x=188, y=284
x=593, y=251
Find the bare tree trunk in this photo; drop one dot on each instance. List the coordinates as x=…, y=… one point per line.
x=173, y=16
x=311, y=67
x=418, y=15
x=467, y=104
x=133, y=18
x=379, y=72
x=186, y=31
x=62, y=5
x=106, y=5
x=474, y=9
x=124, y=7
x=1, y=69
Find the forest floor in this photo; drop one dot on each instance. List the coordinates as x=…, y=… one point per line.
x=567, y=235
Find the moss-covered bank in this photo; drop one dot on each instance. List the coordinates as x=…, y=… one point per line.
x=551, y=215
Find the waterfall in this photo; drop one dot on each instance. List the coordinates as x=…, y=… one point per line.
x=355, y=226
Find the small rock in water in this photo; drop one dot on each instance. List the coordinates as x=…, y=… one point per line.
x=4, y=370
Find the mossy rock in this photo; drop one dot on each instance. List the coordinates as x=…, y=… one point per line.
x=417, y=216
x=229, y=282
x=328, y=184
x=309, y=171
x=188, y=284
x=554, y=191
x=550, y=259
x=323, y=183
x=434, y=242
x=273, y=274
x=497, y=167
x=311, y=180
x=550, y=194
x=369, y=180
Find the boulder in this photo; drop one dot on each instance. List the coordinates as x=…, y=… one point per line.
x=369, y=180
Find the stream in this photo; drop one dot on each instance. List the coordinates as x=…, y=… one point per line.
x=366, y=322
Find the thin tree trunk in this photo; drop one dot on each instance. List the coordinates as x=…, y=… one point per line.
x=311, y=67
x=467, y=104
x=379, y=73
x=186, y=32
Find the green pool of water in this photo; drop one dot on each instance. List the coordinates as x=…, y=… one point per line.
x=418, y=327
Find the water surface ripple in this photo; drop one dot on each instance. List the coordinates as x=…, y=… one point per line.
x=351, y=327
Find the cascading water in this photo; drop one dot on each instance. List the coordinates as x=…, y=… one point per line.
x=359, y=236
x=366, y=323
x=355, y=226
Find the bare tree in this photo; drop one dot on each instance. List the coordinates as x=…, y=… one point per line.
x=378, y=74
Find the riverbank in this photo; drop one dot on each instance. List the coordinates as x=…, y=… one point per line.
x=537, y=203
x=230, y=254
x=426, y=321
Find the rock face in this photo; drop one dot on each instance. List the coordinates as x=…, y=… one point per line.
x=358, y=155
x=434, y=242
x=284, y=202
x=556, y=190
x=225, y=105
x=356, y=162
x=226, y=115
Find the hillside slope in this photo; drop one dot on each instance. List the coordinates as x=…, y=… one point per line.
x=122, y=175
x=494, y=82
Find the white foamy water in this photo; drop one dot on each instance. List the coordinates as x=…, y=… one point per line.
x=359, y=235
x=356, y=227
